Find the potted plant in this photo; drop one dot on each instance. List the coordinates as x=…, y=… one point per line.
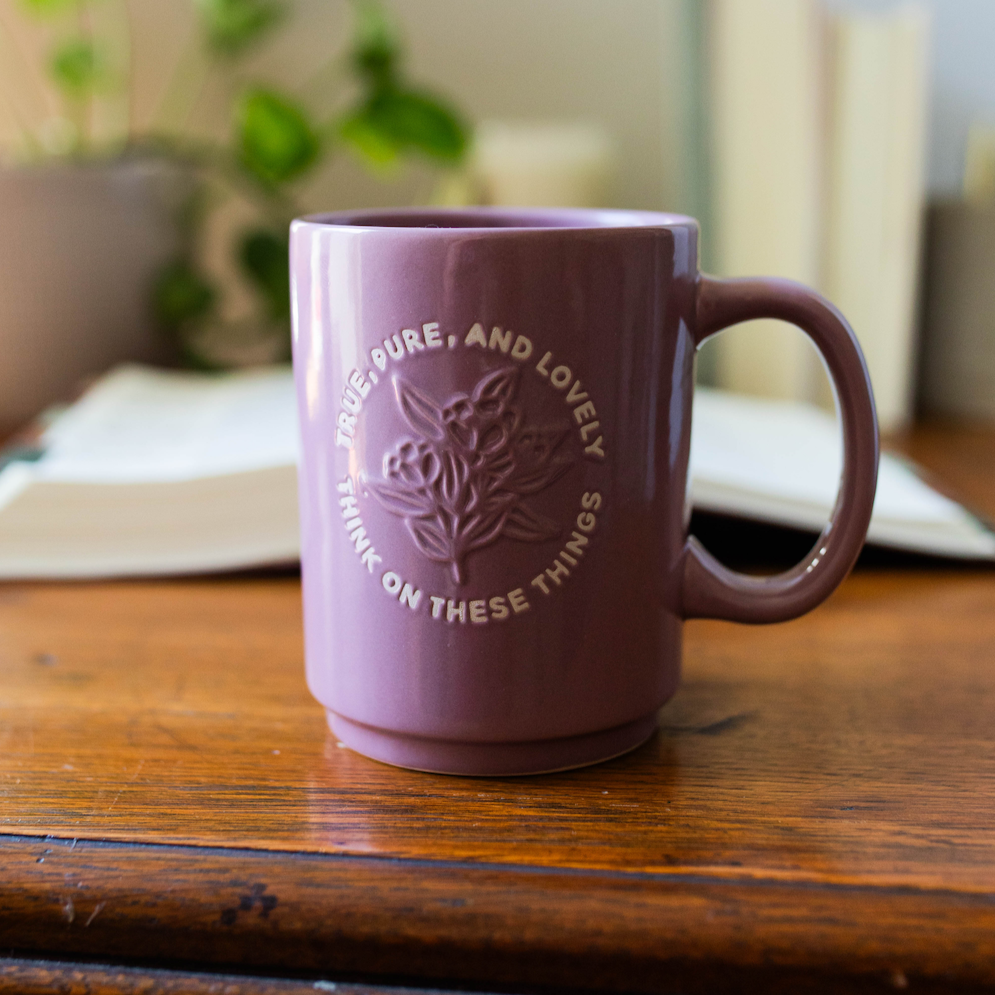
x=362, y=104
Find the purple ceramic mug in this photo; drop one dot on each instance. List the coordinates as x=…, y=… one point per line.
x=495, y=410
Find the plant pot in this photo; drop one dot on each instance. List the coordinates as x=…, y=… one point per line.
x=79, y=247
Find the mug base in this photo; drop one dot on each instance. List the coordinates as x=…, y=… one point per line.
x=443, y=756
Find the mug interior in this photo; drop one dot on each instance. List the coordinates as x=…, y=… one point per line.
x=499, y=217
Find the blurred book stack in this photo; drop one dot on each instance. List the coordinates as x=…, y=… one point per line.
x=763, y=62
x=817, y=125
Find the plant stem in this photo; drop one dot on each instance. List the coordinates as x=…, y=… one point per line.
x=21, y=123
x=315, y=85
x=127, y=68
x=28, y=69
x=180, y=93
x=84, y=104
x=196, y=92
x=26, y=134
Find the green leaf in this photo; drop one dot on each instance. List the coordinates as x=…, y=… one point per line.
x=181, y=296
x=397, y=121
x=376, y=48
x=393, y=119
x=78, y=66
x=276, y=140
x=423, y=123
x=368, y=140
x=47, y=8
x=232, y=26
x=264, y=256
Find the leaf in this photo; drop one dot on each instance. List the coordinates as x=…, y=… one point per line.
x=46, y=8
x=420, y=411
x=430, y=539
x=78, y=66
x=399, y=500
x=430, y=467
x=419, y=122
x=368, y=141
x=496, y=390
x=395, y=121
x=275, y=138
x=484, y=529
x=392, y=119
x=535, y=479
x=376, y=48
x=232, y=26
x=181, y=296
x=264, y=256
x=452, y=479
x=526, y=525
x=500, y=501
x=497, y=467
x=465, y=436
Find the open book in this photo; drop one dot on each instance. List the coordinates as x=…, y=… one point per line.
x=780, y=462
x=155, y=472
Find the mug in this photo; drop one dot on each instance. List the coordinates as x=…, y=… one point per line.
x=495, y=413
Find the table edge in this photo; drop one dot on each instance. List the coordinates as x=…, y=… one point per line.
x=460, y=923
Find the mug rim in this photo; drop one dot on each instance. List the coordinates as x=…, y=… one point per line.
x=428, y=221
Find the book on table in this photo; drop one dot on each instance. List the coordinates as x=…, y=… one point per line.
x=158, y=472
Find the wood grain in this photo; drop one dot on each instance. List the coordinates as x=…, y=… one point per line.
x=960, y=460
x=855, y=744
x=815, y=810
x=484, y=924
x=19, y=976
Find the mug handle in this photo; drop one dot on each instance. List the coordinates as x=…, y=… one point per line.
x=711, y=590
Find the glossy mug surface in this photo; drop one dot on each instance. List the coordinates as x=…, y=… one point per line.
x=495, y=409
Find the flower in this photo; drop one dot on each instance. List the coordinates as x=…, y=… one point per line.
x=413, y=463
x=458, y=485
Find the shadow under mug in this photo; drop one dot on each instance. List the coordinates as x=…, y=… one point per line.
x=495, y=411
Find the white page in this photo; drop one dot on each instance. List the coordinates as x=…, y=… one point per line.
x=145, y=425
x=776, y=461
x=780, y=461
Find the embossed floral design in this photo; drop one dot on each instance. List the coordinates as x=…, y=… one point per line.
x=459, y=485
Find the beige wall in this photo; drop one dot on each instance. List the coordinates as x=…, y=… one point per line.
x=623, y=63
x=617, y=62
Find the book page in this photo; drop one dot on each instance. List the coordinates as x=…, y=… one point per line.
x=145, y=425
x=775, y=461
x=780, y=461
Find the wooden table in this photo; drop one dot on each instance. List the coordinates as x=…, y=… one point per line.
x=817, y=811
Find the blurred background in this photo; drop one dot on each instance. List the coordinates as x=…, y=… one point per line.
x=154, y=150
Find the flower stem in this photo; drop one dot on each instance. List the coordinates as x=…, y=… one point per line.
x=84, y=104
x=184, y=86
